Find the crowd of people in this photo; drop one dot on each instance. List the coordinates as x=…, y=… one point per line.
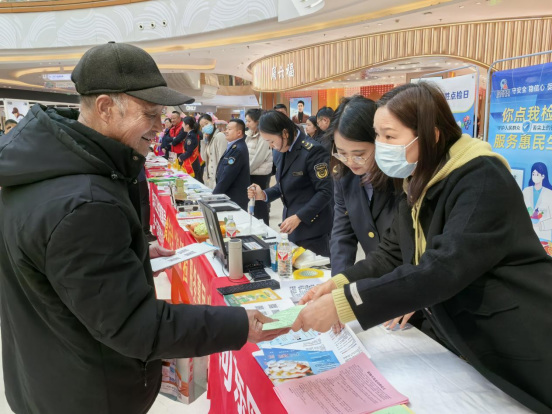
x=439, y=215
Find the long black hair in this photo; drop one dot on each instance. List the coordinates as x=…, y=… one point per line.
x=254, y=114
x=354, y=120
x=317, y=131
x=274, y=123
x=191, y=122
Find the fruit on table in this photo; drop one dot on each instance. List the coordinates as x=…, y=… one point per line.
x=200, y=229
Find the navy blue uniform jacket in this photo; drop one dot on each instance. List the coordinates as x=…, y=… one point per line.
x=190, y=144
x=233, y=173
x=355, y=222
x=304, y=184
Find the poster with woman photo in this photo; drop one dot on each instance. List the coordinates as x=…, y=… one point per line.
x=300, y=109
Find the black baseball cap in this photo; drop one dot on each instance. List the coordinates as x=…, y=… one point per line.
x=123, y=68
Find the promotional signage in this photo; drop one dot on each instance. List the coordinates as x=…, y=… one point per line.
x=281, y=73
x=198, y=108
x=460, y=93
x=57, y=76
x=9, y=105
x=520, y=129
x=300, y=104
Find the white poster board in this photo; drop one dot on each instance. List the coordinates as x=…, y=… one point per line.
x=10, y=104
x=460, y=93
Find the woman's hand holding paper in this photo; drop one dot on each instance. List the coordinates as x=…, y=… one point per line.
x=319, y=315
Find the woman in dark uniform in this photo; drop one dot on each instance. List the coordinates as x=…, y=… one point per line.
x=313, y=130
x=303, y=183
x=365, y=198
x=190, y=158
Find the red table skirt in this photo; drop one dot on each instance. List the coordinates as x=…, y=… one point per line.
x=236, y=382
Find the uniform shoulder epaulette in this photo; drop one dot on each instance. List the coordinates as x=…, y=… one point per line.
x=306, y=144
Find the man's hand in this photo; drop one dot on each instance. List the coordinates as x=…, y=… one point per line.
x=256, y=333
x=318, y=291
x=319, y=315
x=255, y=191
x=393, y=322
x=290, y=224
x=158, y=251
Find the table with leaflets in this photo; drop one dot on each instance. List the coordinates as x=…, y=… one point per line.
x=434, y=379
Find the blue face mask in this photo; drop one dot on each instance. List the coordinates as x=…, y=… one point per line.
x=391, y=159
x=208, y=129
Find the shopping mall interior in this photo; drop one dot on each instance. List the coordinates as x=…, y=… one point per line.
x=234, y=55
x=224, y=53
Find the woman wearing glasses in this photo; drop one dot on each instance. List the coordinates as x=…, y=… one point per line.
x=365, y=199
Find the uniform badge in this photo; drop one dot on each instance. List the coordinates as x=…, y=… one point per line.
x=231, y=160
x=297, y=173
x=189, y=142
x=321, y=170
x=234, y=146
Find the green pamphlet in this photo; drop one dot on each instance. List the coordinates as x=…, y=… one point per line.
x=284, y=318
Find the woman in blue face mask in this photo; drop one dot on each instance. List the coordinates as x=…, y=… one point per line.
x=212, y=147
x=461, y=247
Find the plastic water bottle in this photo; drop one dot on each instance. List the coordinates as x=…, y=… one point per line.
x=231, y=229
x=251, y=206
x=284, y=257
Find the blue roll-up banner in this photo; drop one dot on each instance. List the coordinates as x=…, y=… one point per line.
x=520, y=129
x=460, y=95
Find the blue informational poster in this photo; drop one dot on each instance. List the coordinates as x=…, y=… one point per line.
x=520, y=129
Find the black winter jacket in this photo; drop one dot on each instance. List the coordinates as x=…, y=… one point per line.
x=484, y=280
x=82, y=330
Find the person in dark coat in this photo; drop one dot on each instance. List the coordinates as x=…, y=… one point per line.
x=462, y=248
x=233, y=168
x=324, y=118
x=303, y=183
x=82, y=330
x=312, y=129
x=365, y=198
x=190, y=159
x=166, y=140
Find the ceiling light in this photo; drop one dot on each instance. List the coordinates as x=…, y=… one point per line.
x=379, y=24
x=461, y=7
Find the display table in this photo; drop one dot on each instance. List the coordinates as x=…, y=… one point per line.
x=434, y=379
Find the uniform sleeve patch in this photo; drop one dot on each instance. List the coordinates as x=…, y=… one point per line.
x=189, y=142
x=231, y=160
x=321, y=170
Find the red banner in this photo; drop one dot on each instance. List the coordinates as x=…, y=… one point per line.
x=236, y=382
x=190, y=280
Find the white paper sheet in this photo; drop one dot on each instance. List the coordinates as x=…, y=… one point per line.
x=182, y=254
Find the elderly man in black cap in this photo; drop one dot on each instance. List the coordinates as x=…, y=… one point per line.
x=82, y=330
